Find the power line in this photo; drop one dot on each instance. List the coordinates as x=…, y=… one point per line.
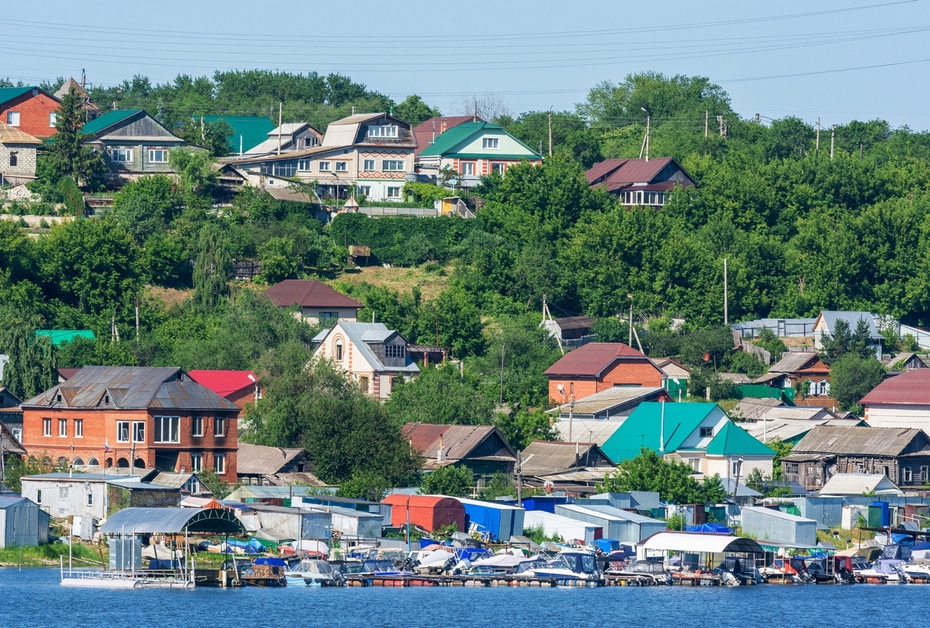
x=818, y=72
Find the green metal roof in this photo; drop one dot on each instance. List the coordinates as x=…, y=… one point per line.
x=107, y=120
x=461, y=133
x=642, y=427
x=9, y=93
x=253, y=130
x=58, y=336
x=732, y=440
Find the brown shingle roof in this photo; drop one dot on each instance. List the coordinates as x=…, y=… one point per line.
x=592, y=359
x=458, y=441
x=878, y=441
x=12, y=135
x=308, y=293
x=910, y=388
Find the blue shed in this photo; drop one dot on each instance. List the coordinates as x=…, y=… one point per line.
x=545, y=503
x=498, y=520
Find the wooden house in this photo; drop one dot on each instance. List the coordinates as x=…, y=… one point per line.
x=639, y=181
x=799, y=367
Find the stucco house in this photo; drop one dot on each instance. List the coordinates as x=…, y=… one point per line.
x=17, y=155
x=369, y=352
x=901, y=401
x=316, y=301
x=598, y=366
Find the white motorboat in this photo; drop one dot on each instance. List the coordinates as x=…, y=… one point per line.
x=566, y=566
x=315, y=572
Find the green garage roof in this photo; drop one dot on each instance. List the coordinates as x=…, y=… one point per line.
x=252, y=129
x=59, y=336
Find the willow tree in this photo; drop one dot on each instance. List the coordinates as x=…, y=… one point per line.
x=212, y=268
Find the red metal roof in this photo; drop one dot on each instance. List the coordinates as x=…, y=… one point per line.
x=603, y=168
x=427, y=131
x=619, y=173
x=592, y=359
x=308, y=293
x=224, y=383
x=910, y=388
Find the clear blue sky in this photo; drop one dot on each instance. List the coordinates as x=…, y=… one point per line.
x=787, y=58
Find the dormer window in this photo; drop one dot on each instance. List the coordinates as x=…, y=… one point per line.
x=490, y=142
x=58, y=398
x=384, y=131
x=106, y=399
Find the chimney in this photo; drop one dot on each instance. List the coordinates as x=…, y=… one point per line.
x=440, y=456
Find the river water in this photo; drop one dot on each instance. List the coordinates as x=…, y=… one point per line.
x=33, y=597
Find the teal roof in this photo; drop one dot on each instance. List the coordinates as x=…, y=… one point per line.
x=732, y=440
x=642, y=427
x=58, y=336
x=107, y=120
x=253, y=130
x=9, y=93
x=463, y=132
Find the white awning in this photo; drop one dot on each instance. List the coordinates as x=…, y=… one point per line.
x=699, y=542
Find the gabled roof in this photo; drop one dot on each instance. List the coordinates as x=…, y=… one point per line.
x=361, y=334
x=12, y=135
x=755, y=407
x=225, y=383
x=252, y=129
x=795, y=361
x=592, y=359
x=426, y=131
x=790, y=429
x=9, y=93
x=261, y=460
x=464, y=132
x=910, y=388
x=547, y=457
x=595, y=431
x=107, y=120
x=345, y=132
x=130, y=387
x=869, y=441
x=308, y=293
x=86, y=103
x=852, y=319
x=458, y=442
x=611, y=402
x=732, y=440
x=642, y=428
x=858, y=484
x=619, y=173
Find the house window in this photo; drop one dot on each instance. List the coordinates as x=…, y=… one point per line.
x=791, y=467
x=327, y=316
x=52, y=119
x=219, y=464
x=736, y=467
x=490, y=142
x=14, y=158
x=393, y=192
x=138, y=431
x=392, y=165
x=286, y=168
x=62, y=427
x=363, y=383
x=707, y=431
x=382, y=131
x=695, y=463
x=324, y=166
x=122, y=431
x=368, y=164
x=394, y=351
x=219, y=426
x=46, y=427
x=39, y=496
x=18, y=434
x=907, y=475
x=197, y=426
x=366, y=189
x=12, y=118
x=167, y=429
x=303, y=165
x=498, y=168
x=121, y=155
x=90, y=499
x=339, y=349
x=196, y=463
x=158, y=156
x=79, y=428
x=342, y=166
x=468, y=167
x=922, y=477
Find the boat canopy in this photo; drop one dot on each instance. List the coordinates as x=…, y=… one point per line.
x=699, y=542
x=172, y=521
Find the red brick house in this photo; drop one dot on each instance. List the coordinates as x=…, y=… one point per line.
x=155, y=417
x=29, y=109
x=240, y=387
x=598, y=366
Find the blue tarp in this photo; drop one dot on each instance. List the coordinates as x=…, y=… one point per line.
x=251, y=547
x=710, y=527
x=275, y=562
x=607, y=545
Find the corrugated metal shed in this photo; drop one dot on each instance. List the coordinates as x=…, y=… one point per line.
x=618, y=524
x=775, y=525
x=500, y=520
x=172, y=521
x=566, y=527
x=859, y=483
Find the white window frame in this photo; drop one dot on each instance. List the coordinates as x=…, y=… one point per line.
x=490, y=143
x=62, y=428
x=219, y=427
x=123, y=432
x=197, y=426
x=154, y=152
x=121, y=155
x=79, y=428
x=324, y=166
x=384, y=131
x=12, y=118
x=907, y=474
x=304, y=165
x=52, y=119
x=499, y=167
x=219, y=464
x=173, y=423
x=393, y=191
x=138, y=431
x=342, y=166
x=468, y=168
x=46, y=427
x=196, y=462
x=393, y=165
x=90, y=499
x=368, y=165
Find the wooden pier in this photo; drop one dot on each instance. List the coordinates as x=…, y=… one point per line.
x=687, y=579
x=353, y=580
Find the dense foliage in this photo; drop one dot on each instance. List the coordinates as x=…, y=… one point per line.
x=674, y=481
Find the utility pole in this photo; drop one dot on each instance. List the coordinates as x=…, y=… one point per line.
x=726, y=309
x=832, y=137
x=550, y=134
x=630, y=297
x=280, y=118
x=519, y=479
x=757, y=118
x=706, y=120
x=137, y=321
x=817, y=142
x=503, y=347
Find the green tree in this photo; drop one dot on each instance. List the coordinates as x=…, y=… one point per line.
x=522, y=427
x=452, y=480
x=30, y=369
x=853, y=377
x=674, y=481
x=440, y=395
x=214, y=136
x=65, y=154
x=216, y=485
x=212, y=268
x=146, y=206
x=500, y=485
x=369, y=485
x=279, y=260
x=414, y=110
